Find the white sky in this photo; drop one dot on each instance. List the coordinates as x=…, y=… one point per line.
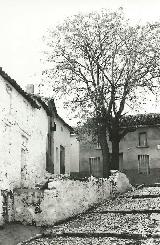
x=23, y=22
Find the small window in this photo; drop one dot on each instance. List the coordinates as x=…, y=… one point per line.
x=94, y=160
x=143, y=164
x=143, y=139
x=98, y=146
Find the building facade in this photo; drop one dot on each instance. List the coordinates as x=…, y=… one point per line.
x=91, y=160
x=23, y=135
x=139, y=152
x=34, y=138
x=63, y=145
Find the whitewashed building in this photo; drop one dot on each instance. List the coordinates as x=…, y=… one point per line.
x=34, y=139
x=23, y=135
x=66, y=148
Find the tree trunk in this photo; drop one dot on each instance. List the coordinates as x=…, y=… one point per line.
x=105, y=151
x=115, y=154
x=106, y=162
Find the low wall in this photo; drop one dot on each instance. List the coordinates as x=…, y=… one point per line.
x=6, y=206
x=137, y=179
x=62, y=199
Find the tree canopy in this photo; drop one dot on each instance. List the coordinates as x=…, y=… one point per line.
x=100, y=61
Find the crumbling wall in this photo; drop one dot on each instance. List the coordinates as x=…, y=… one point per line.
x=62, y=199
x=6, y=207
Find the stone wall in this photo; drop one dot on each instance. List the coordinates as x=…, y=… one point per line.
x=6, y=206
x=62, y=199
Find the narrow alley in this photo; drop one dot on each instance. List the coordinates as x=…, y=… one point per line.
x=132, y=218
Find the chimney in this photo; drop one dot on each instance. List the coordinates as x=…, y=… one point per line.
x=30, y=88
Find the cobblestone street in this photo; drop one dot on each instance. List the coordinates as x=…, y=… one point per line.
x=129, y=219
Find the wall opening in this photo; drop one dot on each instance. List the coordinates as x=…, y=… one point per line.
x=62, y=160
x=94, y=165
x=143, y=164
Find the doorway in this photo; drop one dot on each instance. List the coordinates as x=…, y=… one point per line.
x=62, y=160
x=120, y=167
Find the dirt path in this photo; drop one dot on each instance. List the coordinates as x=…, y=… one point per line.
x=11, y=234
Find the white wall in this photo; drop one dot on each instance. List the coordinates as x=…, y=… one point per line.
x=61, y=138
x=23, y=137
x=74, y=160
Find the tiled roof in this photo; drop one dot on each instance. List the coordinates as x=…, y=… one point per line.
x=150, y=119
x=32, y=99
x=19, y=89
x=66, y=124
x=45, y=102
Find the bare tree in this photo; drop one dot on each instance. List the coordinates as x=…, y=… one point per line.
x=99, y=60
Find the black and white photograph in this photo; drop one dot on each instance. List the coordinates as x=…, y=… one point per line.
x=79, y=122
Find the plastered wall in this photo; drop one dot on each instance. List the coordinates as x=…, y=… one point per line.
x=74, y=159
x=61, y=137
x=23, y=137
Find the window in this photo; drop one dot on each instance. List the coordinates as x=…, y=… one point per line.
x=143, y=139
x=98, y=146
x=143, y=164
x=93, y=160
